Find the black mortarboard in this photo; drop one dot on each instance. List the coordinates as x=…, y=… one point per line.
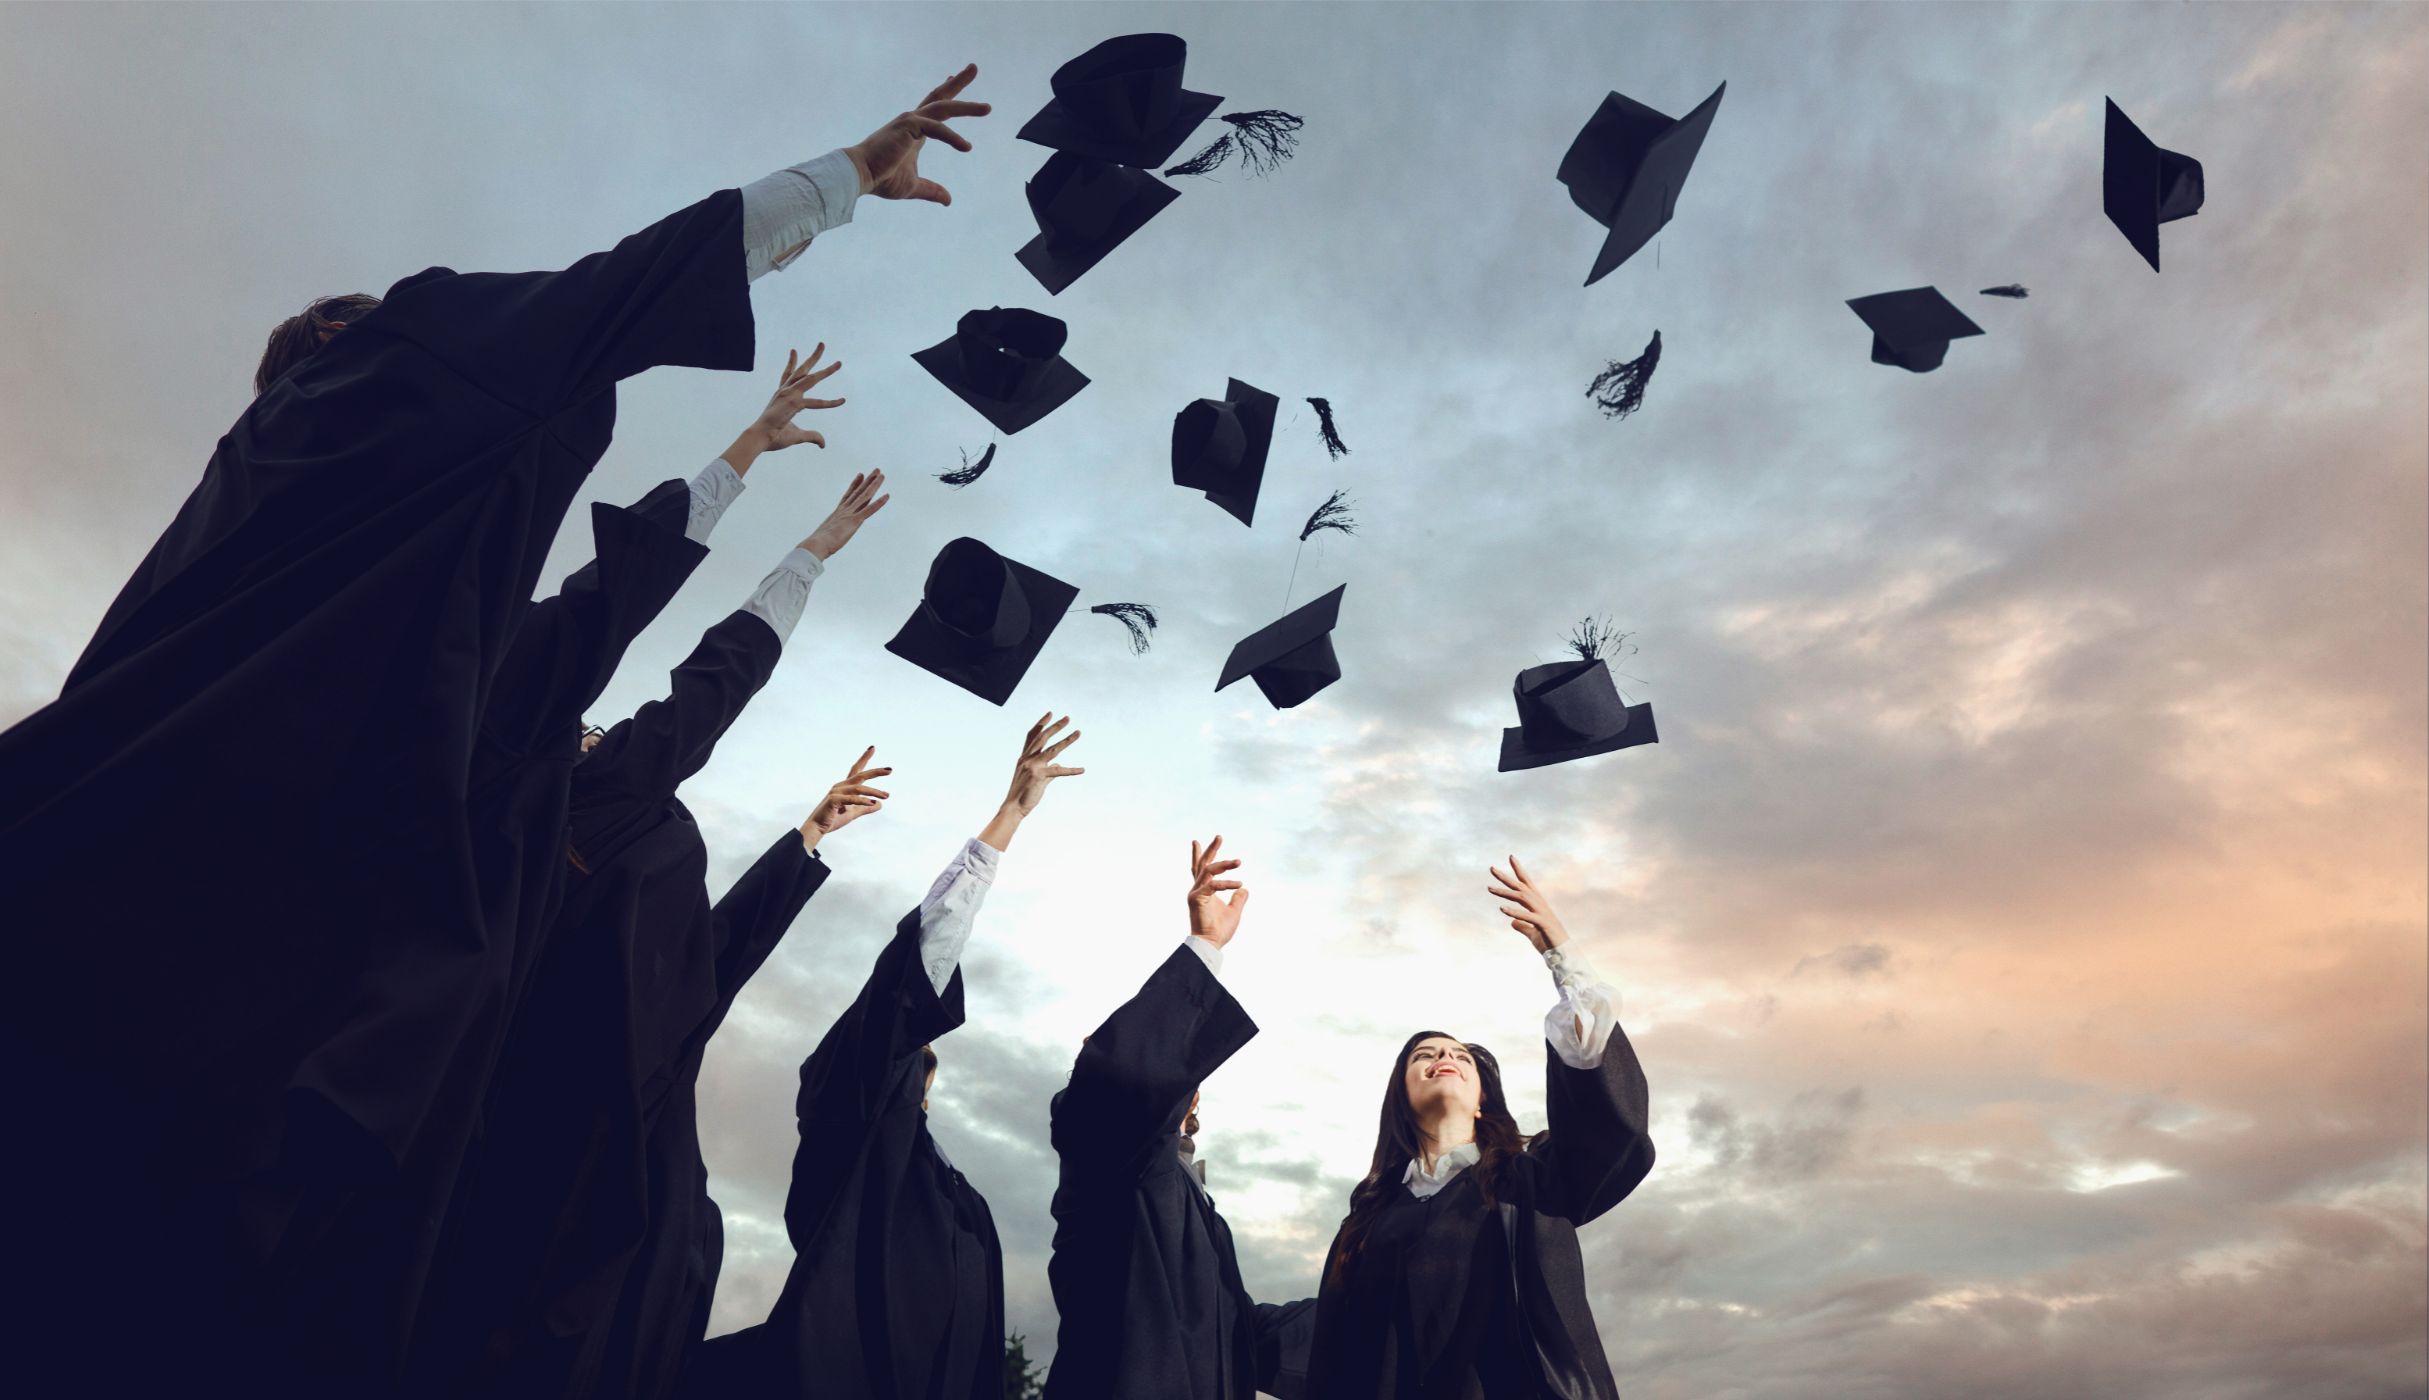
x=1219, y=447
x=1572, y=709
x=1626, y=169
x=1911, y=329
x=1006, y=363
x=2143, y=186
x=1122, y=101
x=1292, y=659
x=982, y=619
x=1085, y=207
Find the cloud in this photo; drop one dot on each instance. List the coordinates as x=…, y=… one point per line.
x=2020, y=918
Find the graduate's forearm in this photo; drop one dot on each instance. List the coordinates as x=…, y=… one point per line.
x=999, y=828
x=746, y=449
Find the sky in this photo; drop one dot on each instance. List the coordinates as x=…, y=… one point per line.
x=2022, y=918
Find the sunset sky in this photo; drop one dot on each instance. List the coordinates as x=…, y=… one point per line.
x=2022, y=918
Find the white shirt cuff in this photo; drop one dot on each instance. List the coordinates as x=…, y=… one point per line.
x=1208, y=951
x=784, y=211
x=717, y=486
x=1579, y=1025
x=785, y=592
x=951, y=908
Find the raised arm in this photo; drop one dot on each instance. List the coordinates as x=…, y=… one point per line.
x=1598, y=1148
x=675, y=293
x=914, y=994
x=1133, y=1080
x=567, y=646
x=666, y=741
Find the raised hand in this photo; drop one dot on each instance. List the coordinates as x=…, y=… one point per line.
x=1031, y=776
x=792, y=399
x=888, y=159
x=1212, y=916
x=846, y=802
x=860, y=501
x=1529, y=909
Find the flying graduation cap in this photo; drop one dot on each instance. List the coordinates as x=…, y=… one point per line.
x=1573, y=709
x=1007, y=363
x=982, y=619
x=1291, y=659
x=1085, y=208
x=1626, y=168
x=1122, y=101
x=1219, y=446
x=2143, y=186
x=1911, y=329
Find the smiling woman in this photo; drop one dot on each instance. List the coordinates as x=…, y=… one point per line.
x=1457, y=1271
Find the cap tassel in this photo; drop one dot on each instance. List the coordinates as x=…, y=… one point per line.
x=1620, y=389
x=2013, y=289
x=1138, y=617
x=1595, y=639
x=1332, y=515
x=968, y=471
x=1263, y=139
x=1332, y=435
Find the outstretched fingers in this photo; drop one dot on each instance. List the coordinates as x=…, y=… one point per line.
x=951, y=86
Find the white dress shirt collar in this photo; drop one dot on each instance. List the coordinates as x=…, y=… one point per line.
x=1422, y=1183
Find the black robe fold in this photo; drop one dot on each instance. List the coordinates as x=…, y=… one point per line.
x=564, y=652
x=1144, y=1275
x=242, y=855
x=661, y=1308
x=1458, y=1298
x=897, y=1286
x=556, y=1205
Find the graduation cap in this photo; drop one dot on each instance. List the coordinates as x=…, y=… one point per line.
x=1085, y=207
x=1626, y=168
x=1006, y=363
x=982, y=619
x=1219, y=447
x=1569, y=710
x=1911, y=329
x=2143, y=186
x=1292, y=659
x=1122, y=101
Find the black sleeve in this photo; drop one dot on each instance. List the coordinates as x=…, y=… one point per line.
x=750, y=921
x=1286, y=1332
x=868, y=1062
x=676, y=293
x=1597, y=1149
x=1132, y=1081
x=666, y=741
x=567, y=647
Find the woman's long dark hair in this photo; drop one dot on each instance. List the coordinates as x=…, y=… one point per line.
x=1397, y=1140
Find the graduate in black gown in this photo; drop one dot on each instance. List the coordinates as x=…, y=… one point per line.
x=897, y=1285
x=550, y=1206
x=242, y=855
x=1456, y=1275
x=1144, y=1275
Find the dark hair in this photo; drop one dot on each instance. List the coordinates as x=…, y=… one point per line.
x=927, y=1061
x=1397, y=1140
x=294, y=340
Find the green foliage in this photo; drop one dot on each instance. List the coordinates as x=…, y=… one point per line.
x=1022, y=1379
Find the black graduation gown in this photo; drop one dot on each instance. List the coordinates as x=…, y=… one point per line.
x=1455, y=1298
x=368, y=1281
x=897, y=1286
x=1144, y=1277
x=661, y=1308
x=241, y=858
x=556, y=1204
